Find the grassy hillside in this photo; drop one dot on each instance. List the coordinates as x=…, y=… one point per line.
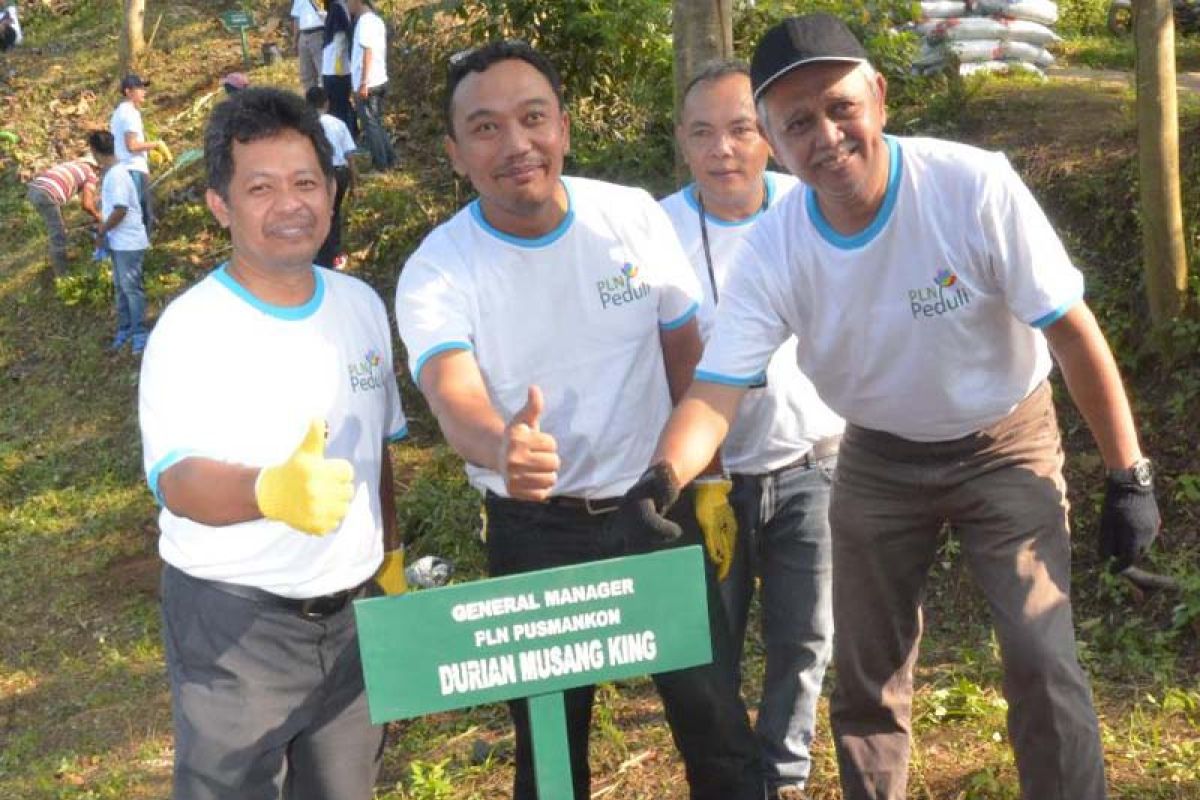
x=83, y=698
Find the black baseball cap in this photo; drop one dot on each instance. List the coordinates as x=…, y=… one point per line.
x=802, y=40
x=132, y=81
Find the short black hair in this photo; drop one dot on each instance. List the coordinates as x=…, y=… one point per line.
x=478, y=59
x=316, y=97
x=101, y=142
x=258, y=113
x=716, y=68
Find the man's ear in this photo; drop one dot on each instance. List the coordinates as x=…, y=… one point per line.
x=216, y=204
x=452, y=153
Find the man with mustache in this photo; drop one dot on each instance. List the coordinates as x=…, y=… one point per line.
x=550, y=324
x=782, y=450
x=928, y=292
x=267, y=401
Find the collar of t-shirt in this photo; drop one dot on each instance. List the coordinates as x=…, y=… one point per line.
x=528, y=242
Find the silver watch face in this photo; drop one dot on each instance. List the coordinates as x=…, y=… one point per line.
x=1143, y=472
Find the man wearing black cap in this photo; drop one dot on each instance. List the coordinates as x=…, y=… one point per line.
x=132, y=147
x=928, y=292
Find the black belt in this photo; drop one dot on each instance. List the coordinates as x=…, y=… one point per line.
x=312, y=30
x=821, y=450
x=308, y=607
x=591, y=505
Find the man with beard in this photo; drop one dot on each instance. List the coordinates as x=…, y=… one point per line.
x=267, y=401
x=928, y=292
x=550, y=324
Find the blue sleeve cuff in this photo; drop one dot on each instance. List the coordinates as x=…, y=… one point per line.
x=1055, y=315
x=433, y=351
x=398, y=435
x=729, y=380
x=165, y=463
x=681, y=320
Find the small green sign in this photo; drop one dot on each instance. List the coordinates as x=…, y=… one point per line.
x=534, y=633
x=237, y=20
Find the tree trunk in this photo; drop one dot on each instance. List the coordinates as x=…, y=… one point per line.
x=702, y=31
x=132, y=39
x=1158, y=159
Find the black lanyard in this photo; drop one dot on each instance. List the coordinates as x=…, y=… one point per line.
x=712, y=276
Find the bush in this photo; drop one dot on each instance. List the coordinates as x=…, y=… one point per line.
x=1077, y=17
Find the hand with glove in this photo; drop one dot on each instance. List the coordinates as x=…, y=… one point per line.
x=309, y=492
x=639, y=522
x=717, y=521
x=390, y=576
x=1129, y=521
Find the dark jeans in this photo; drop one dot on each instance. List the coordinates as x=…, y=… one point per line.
x=146, y=197
x=333, y=242
x=337, y=87
x=707, y=718
x=370, y=118
x=783, y=538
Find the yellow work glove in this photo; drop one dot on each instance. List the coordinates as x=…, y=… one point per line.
x=161, y=148
x=309, y=492
x=390, y=575
x=717, y=522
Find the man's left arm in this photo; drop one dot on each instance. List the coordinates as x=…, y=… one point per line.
x=1130, y=519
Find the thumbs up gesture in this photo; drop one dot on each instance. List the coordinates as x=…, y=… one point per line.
x=309, y=492
x=528, y=458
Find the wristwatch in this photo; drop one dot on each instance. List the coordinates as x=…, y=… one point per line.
x=1140, y=473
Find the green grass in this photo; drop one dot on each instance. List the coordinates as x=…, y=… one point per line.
x=1105, y=51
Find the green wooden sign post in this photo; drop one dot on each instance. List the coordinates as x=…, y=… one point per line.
x=534, y=636
x=238, y=21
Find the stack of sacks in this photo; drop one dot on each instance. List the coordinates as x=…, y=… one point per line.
x=987, y=35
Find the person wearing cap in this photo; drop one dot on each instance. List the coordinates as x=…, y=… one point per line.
x=369, y=80
x=928, y=293
x=51, y=189
x=782, y=449
x=549, y=324
x=129, y=134
x=308, y=34
x=234, y=82
x=266, y=403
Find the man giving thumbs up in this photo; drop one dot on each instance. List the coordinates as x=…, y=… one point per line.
x=267, y=399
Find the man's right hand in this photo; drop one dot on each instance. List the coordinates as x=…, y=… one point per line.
x=309, y=492
x=528, y=459
x=639, y=523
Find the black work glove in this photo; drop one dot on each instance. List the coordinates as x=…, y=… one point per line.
x=638, y=523
x=1129, y=523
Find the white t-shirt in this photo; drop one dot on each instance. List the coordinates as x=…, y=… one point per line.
x=127, y=119
x=229, y=377
x=925, y=324
x=335, y=56
x=780, y=422
x=369, y=34
x=577, y=312
x=307, y=15
x=340, y=140
x=119, y=190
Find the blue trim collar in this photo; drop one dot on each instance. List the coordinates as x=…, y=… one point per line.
x=544, y=240
x=689, y=196
x=290, y=313
x=867, y=234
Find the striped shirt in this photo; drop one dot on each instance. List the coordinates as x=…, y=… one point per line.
x=63, y=181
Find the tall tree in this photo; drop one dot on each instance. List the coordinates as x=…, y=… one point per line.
x=1158, y=159
x=702, y=30
x=132, y=38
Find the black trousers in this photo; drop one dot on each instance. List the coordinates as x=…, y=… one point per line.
x=333, y=242
x=702, y=705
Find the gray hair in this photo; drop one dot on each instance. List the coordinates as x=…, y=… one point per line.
x=714, y=69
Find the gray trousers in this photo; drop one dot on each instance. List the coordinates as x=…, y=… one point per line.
x=1003, y=493
x=266, y=704
x=55, y=228
x=308, y=52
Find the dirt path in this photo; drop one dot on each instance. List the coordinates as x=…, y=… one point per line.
x=1186, y=81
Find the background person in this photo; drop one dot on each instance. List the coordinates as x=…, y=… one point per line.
x=927, y=291
x=308, y=33
x=121, y=235
x=132, y=146
x=52, y=188
x=549, y=324
x=782, y=448
x=369, y=78
x=335, y=62
x=341, y=145
x=266, y=403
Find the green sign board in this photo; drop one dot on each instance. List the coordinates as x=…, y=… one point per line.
x=533, y=634
x=237, y=20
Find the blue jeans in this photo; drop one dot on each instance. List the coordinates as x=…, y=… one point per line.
x=783, y=537
x=707, y=718
x=131, y=299
x=370, y=122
